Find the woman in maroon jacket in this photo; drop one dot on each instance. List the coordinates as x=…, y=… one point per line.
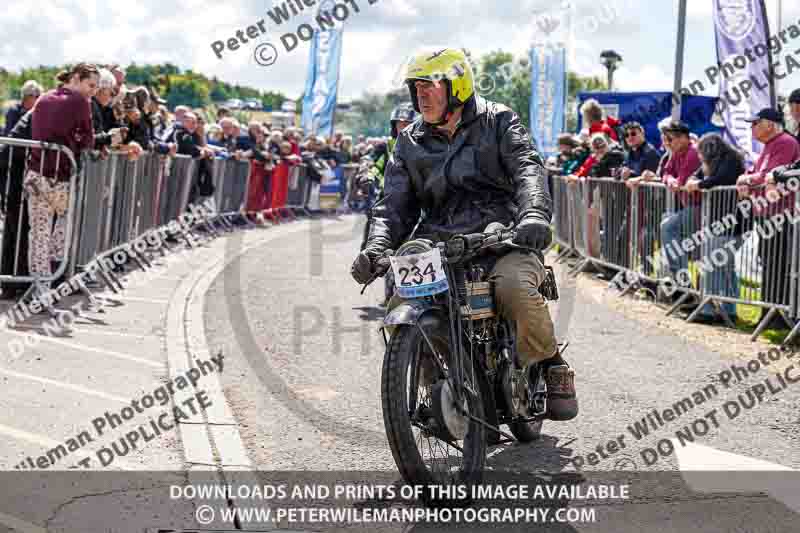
x=62, y=116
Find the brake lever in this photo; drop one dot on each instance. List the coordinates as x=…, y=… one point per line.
x=382, y=267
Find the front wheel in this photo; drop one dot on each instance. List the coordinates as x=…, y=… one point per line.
x=433, y=444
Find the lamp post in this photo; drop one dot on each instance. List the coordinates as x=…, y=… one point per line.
x=610, y=59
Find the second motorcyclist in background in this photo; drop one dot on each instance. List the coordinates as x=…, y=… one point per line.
x=372, y=174
x=370, y=177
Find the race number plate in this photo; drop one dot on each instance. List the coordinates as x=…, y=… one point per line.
x=419, y=274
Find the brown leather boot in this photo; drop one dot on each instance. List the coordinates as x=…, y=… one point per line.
x=562, y=403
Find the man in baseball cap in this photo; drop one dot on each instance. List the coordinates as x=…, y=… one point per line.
x=772, y=115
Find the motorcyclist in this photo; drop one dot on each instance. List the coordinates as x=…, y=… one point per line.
x=375, y=164
x=467, y=163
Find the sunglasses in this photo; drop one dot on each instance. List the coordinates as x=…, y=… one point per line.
x=632, y=133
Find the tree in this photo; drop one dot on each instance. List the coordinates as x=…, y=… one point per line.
x=577, y=84
x=186, y=91
x=188, y=88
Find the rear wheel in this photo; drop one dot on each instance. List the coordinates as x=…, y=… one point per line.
x=433, y=444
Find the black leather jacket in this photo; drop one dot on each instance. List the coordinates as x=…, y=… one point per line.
x=489, y=172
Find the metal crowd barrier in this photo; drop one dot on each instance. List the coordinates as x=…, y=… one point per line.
x=349, y=173
x=114, y=204
x=299, y=189
x=704, y=241
x=16, y=167
x=648, y=207
x=561, y=215
x=233, y=193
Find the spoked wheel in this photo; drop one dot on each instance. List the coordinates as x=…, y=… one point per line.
x=433, y=443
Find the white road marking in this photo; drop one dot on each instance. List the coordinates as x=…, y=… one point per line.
x=47, y=442
x=96, y=332
x=84, y=348
x=135, y=299
x=62, y=385
x=701, y=466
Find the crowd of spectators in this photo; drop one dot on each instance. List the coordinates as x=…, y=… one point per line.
x=92, y=109
x=685, y=165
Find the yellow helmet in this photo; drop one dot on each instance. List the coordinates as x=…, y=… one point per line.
x=449, y=65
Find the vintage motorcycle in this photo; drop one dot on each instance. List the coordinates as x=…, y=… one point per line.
x=451, y=376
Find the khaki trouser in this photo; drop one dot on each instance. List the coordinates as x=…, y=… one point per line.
x=516, y=277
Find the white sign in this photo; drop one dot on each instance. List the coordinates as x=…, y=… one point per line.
x=419, y=274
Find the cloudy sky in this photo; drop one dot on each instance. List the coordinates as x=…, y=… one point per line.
x=376, y=39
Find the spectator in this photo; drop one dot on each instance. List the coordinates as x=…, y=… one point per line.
x=683, y=163
x=293, y=136
x=567, y=145
x=641, y=155
x=609, y=157
x=362, y=139
x=337, y=140
x=107, y=131
x=231, y=138
x=599, y=146
x=259, y=186
x=163, y=122
x=346, y=150
x=794, y=108
x=327, y=153
x=651, y=216
x=30, y=92
x=223, y=112
x=722, y=164
x=61, y=116
x=148, y=106
x=780, y=149
x=613, y=238
x=287, y=153
x=189, y=144
x=578, y=157
x=120, y=89
x=252, y=128
x=593, y=119
x=137, y=132
x=170, y=134
x=242, y=138
x=214, y=136
x=275, y=140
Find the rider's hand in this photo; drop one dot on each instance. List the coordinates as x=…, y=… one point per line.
x=362, y=270
x=533, y=231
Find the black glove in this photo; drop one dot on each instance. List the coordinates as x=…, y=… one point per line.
x=362, y=269
x=533, y=231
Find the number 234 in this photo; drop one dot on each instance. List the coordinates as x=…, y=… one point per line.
x=418, y=275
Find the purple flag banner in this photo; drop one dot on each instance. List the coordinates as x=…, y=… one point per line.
x=745, y=83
